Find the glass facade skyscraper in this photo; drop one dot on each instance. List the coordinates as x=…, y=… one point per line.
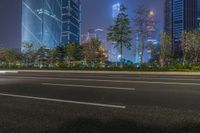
x=181, y=15
x=198, y=14
x=115, y=10
x=44, y=22
x=71, y=17
x=41, y=22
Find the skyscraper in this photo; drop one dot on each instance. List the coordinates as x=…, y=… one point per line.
x=41, y=22
x=115, y=10
x=181, y=15
x=71, y=17
x=48, y=22
x=114, y=52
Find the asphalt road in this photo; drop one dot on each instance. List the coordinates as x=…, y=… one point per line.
x=98, y=103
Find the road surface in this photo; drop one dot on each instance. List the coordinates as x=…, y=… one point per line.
x=62, y=102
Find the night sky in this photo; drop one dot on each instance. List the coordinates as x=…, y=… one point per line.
x=95, y=14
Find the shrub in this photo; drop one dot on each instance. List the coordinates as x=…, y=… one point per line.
x=196, y=68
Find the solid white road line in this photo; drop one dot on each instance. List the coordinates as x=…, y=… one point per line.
x=12, y=72
x=114, y=81
x=64, y=101
x=88, y=86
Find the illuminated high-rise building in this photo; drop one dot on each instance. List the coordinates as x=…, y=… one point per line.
x=151, y=29
x=152, y=38
x=114, y=52
x=42, y=22
x=181, y=15
x=50, y=22
x=71, y=17
x=115, y=10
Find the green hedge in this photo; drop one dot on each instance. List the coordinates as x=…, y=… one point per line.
x=144, y=67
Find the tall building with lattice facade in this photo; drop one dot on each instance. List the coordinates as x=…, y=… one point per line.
x=50, y=22
x=71, y=17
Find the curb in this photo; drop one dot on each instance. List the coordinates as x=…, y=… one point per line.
x=113, y=72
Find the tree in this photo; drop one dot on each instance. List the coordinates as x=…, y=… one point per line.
x=28, y=53
x=52, y=57
x=155, y=53
x=196, y=46
x=140, y=23
x=8, y=56
x=120, y=32
x=2, y=55
x=79, y=53
x=42, y=56
x=190, y=45
x=185, y=45
x=19, y=58
x=90, y=51
x=102, y=55
x=60, y=54
x=71, y=52
x=165, y=49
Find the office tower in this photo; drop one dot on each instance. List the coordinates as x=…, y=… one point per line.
x=151, y=28
x=50, y=22
x=41, y=22
x=115, y=10
x=181, y=15
x=71, y=17
x=114, y=52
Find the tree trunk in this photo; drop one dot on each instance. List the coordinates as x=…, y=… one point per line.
x=121, y=59
x=196, y=59
x=141, y=60
x=184, y=58
x=162, y=62
x=142, y=50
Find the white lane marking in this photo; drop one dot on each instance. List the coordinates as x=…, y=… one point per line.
x=114, y=81
x=64, y=101
x=88, y=86
x=175, y=79
x=4, y=72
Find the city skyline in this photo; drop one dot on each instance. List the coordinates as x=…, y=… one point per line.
x=100, y=66
x=89, y=20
